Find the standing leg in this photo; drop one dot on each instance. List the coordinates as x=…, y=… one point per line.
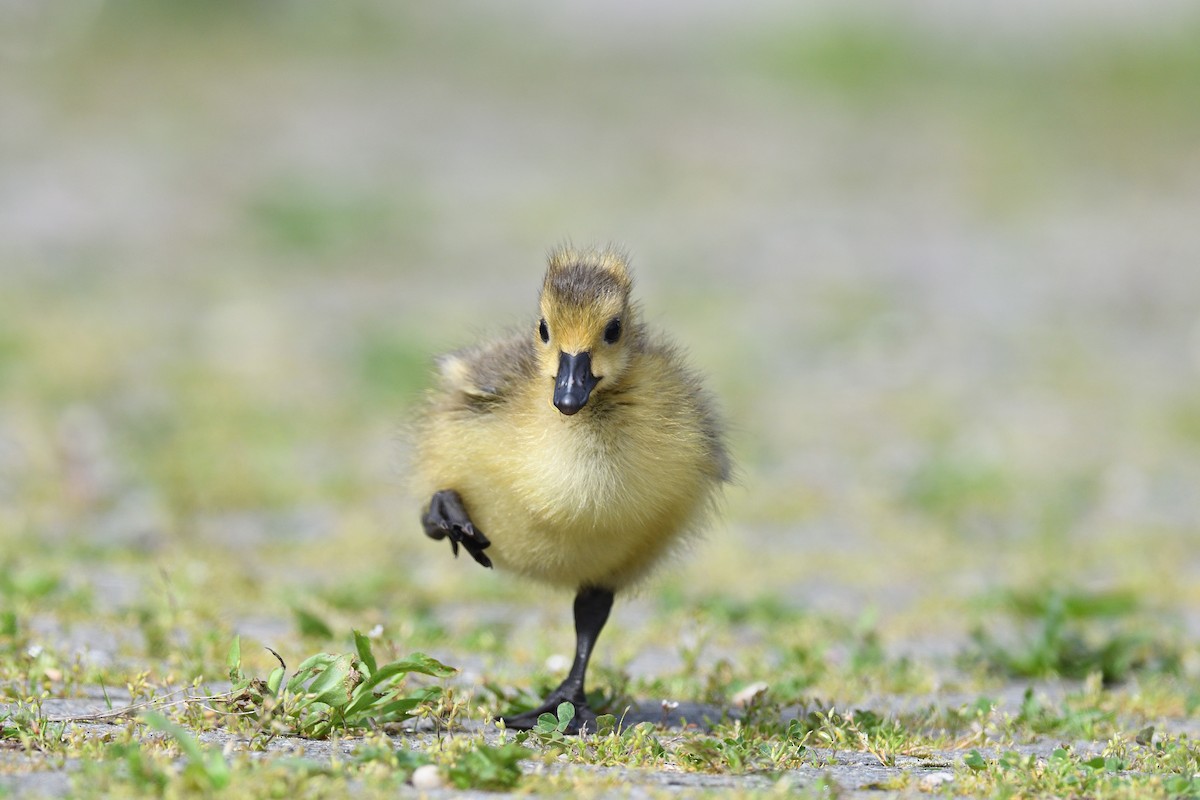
x=591, y=612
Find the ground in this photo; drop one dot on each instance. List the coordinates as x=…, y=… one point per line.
x=938, y=263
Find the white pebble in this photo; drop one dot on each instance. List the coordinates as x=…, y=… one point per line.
x=935, y=779
x=427, y=777
x=557, y=663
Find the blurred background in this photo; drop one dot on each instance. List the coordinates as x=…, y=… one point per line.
x=941, y=262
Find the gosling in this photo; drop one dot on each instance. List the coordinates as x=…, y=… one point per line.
x=578, y=452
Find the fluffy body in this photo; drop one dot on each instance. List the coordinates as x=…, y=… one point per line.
x=592, y=499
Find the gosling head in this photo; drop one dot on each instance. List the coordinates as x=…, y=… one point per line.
x=586, y=325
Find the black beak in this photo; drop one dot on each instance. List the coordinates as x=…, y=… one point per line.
x=575, y=382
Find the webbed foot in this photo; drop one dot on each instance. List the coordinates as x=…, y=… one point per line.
x=448, y=518
x=584, y=718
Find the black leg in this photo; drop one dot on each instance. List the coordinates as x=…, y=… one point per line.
x=591, y=612
x=447, y=517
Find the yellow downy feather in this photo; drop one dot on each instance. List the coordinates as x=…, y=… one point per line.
x=592, y=499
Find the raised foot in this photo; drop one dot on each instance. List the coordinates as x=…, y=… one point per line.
x=584, y=718
x=448, y=518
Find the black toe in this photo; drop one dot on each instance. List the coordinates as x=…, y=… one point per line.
x=447, y=518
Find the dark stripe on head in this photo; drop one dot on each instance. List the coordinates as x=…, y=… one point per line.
x=582, y=284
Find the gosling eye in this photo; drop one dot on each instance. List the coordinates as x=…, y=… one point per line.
x=544, y=331
x=612, y=331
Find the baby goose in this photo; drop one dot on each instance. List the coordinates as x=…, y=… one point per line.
x=577, y=452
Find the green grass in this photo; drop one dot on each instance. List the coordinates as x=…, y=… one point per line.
x=1077, y=634
x=360, y=699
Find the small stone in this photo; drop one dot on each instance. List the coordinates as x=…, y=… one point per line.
x=749, y=695
x=427, y=777
x=557, y=663
x=933, y=780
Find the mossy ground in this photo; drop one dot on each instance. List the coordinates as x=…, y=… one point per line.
x=940, y=270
